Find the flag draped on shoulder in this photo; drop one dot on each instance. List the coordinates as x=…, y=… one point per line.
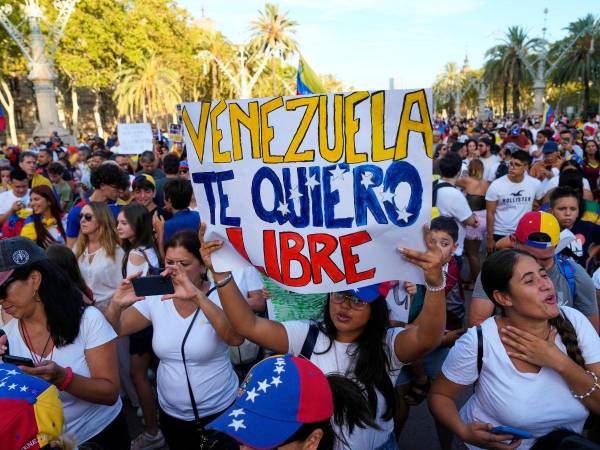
x=307, y=81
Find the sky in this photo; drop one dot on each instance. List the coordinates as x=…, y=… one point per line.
x=365, y=43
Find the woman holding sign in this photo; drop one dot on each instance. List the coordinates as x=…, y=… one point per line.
x=353, y=339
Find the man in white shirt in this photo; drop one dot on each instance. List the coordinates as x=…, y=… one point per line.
x=509, y=197
x=489, y=160
x=17, y=198
x=449, y=199
x=536, y=150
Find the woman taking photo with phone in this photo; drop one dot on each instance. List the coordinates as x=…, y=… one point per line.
x=71, y=345
x=353, y=339
x=134, y=228
x=536, y=380
x=98, y=253
x=44, y=226
x=195, y=378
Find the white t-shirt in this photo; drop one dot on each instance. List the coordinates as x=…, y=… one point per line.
x=83, y=419
x=513, y=200
x=8, y=198
x=337, y=360
x=505, y=396
x=596, y=279
x=213, y=380
x=103, y=274
x=553, y=184
x=452, y=203
x=534, y=148
x=490, y=165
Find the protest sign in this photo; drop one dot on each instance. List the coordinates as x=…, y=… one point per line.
x=316, y=191
x=134, y=138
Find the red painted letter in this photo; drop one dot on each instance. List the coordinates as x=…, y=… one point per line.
x=350, y=259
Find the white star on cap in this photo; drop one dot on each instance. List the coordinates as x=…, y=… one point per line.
x=279, y=369
x=3, y=384
x=263, y=385
x=237, y=424
x=12, y=387
x=11, y=372
x=252, y=395
x=237, y=412
x=24, y=388
x=276, y=381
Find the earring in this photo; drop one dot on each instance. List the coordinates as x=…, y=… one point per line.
x=36, y=296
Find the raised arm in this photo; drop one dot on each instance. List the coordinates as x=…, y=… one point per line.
x=428, y=329
x=264, y=332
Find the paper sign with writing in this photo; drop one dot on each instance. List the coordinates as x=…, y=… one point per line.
x=134, y=138
x=316, y=191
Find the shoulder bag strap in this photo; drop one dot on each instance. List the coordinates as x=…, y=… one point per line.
x=479, y=350
x=310, y=341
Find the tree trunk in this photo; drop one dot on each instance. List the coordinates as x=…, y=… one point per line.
x=586, y=94
x=8, y=103
x=75, y=113
x=505, y=97
x=516, y=94
x=273, y=79
x=97, y=115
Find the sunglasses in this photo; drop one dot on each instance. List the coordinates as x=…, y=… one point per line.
x=354, y=302
x=86, y=217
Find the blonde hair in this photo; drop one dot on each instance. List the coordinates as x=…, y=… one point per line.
x=476, y=169
x=108, y=235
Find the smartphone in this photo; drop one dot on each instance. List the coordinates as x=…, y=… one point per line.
x=17, y=360
x=152, y=285
x=516, y=432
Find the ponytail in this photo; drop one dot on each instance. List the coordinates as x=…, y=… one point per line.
x=567, y=334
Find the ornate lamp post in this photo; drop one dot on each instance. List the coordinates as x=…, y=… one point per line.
x=39, y=49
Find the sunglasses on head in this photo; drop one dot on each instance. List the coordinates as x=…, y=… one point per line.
x=87, y=217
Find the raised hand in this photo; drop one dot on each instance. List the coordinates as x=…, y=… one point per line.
x=532, y=349
x=431, y=260
x=207, y=248
x=184, y=288
x=125, y=296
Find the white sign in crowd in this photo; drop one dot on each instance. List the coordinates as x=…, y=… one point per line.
x=134, y=138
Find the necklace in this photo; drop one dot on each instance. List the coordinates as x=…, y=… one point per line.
x=28, y=342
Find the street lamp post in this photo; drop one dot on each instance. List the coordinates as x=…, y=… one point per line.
x=39, y=50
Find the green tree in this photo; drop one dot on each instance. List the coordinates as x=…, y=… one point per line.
x=272, y=32
x=445, y=86
x=150, y=90
x=497, y=78
x=511, y=54
x=582, y=57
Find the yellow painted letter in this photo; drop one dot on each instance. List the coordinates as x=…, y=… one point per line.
x=197, y=137
x=407, y=124
x=352, y=126
x=380, y=152
x=251, y=122
x=266, y=132
x=331, y=154
x=311, y=104
x=217, y=134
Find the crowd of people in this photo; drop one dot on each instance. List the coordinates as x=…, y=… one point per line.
x=515, y=230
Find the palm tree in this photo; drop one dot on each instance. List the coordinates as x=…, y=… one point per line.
x=220, y=48
x=445, y=87
x=272, y=34
x=149, y=89
x=510, y=57
x=496, y=76
x=581, y=57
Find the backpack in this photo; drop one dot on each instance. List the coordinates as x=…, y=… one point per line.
x=437, y=184
x=567, y=270
x=502, y=169
x=310, y=341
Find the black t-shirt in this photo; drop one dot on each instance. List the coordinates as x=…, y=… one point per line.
x=586, y=233
x=162, y=212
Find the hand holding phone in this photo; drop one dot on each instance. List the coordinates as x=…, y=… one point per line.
x=17, y=360
x=152, y=285
x=516, y=432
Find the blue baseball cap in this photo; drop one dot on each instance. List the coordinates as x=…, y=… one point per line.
x=369, y=294
x=278, y=396
x=550, y=147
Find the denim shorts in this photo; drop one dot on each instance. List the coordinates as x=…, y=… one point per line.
x=433, y=366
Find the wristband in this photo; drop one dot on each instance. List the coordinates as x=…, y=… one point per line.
x=67, y=381
x=441, y=287
x=224, y=281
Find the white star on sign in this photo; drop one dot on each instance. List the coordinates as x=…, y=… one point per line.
x=252, y=395
x=279, y=369
x=283, y=208
x=263, y=385
x=12, y=387
x=295, y=194
x=24, y=388
x=365, y=180
x=237, y=424
x=386, y=196
x=237, y=412
x=3, y=384
x=276, y=381
x=338, y=173
x=404, y=215
x=312, y=182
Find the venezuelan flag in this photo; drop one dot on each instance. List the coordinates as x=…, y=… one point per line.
x=548, y=115
x=31, y=413
x=307, y=81
x=2, y=120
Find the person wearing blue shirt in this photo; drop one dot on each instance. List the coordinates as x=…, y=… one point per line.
x=178, y=196
x=109, y=182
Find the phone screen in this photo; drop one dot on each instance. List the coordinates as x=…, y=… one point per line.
x=152, y=285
